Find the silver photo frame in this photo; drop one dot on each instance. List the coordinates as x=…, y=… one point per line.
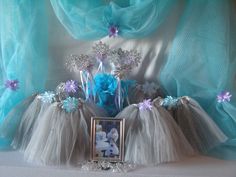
x=107, y=139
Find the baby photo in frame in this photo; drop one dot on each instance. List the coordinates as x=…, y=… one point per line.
x=107, y=139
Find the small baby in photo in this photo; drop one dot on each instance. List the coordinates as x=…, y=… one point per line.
x=107, y=135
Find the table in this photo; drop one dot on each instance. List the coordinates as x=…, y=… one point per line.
x=13, y=165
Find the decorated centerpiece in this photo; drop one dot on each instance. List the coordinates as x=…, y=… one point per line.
x=107, y=84
x=55, y=126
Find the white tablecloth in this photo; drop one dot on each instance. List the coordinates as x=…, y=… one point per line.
x=13, y=165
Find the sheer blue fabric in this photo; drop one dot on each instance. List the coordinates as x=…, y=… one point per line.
x=90, y=19
x=23, y=54
x=202, y=63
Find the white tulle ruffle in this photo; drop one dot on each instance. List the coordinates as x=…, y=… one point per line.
x=61, y=137
x=28, y=122
x=152, y=136
x=198, y=127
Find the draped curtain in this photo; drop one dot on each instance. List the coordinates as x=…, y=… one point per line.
x=23, y=53
x=202, y=63
x=91, y=19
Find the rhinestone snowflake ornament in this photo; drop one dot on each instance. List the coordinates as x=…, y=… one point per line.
x=101, y=51
x=79, y=63
x=124, y=61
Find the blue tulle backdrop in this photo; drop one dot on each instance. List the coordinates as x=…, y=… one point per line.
x=23, y=54
x=91, y=19
x=202, y=62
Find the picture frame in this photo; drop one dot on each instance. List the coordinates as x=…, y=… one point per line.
x=107, y=139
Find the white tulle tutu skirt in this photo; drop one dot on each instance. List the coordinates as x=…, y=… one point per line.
x=9, y=127
x=28, y=122
x=152, y=136
x=60, y=137
x=200, y=130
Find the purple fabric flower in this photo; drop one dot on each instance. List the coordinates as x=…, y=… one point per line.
x=145, y=105
x=12, y=84
x=113, y=31
x=224, y=96
x=71, y=86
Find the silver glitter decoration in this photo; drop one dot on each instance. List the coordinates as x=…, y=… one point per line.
x=79, y=63
x=133, y=58
x=101, y=51
x=118, y=167
x=124, y=61
x=61, y=92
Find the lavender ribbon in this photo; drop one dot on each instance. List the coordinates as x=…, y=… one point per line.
x=87, y=83
x=100, y=68
x=119, y=100
x=118, y=96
